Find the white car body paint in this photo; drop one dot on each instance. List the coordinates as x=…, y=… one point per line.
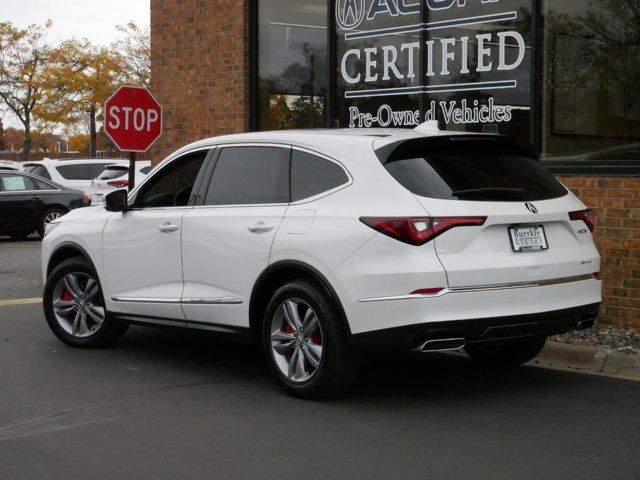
x=205, y=270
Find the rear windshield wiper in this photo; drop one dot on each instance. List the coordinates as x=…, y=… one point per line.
x=487, y=191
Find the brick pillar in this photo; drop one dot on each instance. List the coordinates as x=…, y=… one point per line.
x=199, y=69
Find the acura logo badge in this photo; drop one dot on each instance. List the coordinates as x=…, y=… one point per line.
x=531, y=207
x=349, y=13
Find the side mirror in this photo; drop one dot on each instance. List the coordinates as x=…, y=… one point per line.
x=116, y=201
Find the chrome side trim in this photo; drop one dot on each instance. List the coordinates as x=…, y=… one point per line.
x=144, y=300
x=227, y=300
x=536, y=283
x=403, y=297
x=484, y=288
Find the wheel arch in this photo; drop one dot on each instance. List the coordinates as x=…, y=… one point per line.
x=65, y=251
x=276, y=275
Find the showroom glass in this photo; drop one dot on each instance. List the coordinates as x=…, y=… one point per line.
x=249, y=176
x=172, y=186
x=293, y=65
x=591, y=78
x=312, y=175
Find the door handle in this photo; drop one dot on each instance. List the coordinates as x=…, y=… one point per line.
x=168, y=228
x=260, y=227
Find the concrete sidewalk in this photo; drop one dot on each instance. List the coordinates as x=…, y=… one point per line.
x=586, y=359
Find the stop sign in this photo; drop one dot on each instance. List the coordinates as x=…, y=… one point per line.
x=133, y=119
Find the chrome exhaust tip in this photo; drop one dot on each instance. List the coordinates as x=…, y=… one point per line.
x=442, y=345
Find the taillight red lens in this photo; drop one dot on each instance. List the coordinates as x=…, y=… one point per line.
x=586, y=216
x=118, y=183
x=86, y=198
x=418, y=230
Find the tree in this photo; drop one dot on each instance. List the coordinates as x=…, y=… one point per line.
x=3, y=145
x=83, y=78
x=24, y=59
x=134, y=49
x=79, y=143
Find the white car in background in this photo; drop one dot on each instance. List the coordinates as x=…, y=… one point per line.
x=9, y=165
x=117, y=176
x=321, y=244
x=75, y=173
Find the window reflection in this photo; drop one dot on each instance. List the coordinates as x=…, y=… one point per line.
x=591, y=99
x=293, y=65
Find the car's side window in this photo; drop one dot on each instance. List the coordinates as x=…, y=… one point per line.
x=96, y=169
x=17, y=183
x=312, y=175
x=79, y=171
x=40, y=170
x=250, y=176
x=172, y=186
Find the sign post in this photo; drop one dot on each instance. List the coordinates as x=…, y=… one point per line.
x=133, y=120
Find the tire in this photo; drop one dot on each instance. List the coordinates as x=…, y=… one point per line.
x=78, y=307
x=324, y=342
x=507, y=353
x=19, y=235
x=47, y=217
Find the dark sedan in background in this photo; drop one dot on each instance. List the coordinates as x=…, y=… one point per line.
x=28, y=203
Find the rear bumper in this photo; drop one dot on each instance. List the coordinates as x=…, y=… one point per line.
x=480, y=330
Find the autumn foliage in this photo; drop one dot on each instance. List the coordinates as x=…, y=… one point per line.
x=46, y=86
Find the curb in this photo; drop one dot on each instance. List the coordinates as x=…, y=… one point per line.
x=586, y=359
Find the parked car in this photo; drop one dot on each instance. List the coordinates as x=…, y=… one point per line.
x=117, y=176
x=28, y=203
x=9, y=165
x=72, y=173
x=325, y=244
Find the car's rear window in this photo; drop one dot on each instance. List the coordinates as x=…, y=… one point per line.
x=111, y=173
x=471, y=168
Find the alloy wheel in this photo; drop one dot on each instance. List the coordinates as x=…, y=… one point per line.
x=51, y=216
x=78, y=305
x=296, y=340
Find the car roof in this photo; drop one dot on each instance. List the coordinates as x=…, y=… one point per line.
x=75, y=161
x=341, y=140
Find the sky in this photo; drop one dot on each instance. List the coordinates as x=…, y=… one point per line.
x=92, y=19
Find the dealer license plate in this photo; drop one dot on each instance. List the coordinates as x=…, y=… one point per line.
x=528, y=239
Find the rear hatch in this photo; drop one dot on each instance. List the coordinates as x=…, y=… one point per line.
x=527, y=234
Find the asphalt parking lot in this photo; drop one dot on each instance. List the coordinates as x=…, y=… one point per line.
x=172, y=404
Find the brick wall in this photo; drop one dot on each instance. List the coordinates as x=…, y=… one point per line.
x=199, y=69
x=616, y=203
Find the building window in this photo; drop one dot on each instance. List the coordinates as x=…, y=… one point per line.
x=292, y=59
x=591, y=98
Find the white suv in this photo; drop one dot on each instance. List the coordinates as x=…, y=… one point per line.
x=324, y=244
x=73, y=173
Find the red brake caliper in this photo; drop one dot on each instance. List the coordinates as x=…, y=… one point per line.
x=66, y=296
x=315, y=337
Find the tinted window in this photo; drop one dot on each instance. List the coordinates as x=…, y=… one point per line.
x=311, y=175
x=75, y=172
x=463, y=168
x=95, y=169
x=145, y=170
x=250, y=175
x=172, y=186
x=40, y=185
x=39, y=170
x=17, y=183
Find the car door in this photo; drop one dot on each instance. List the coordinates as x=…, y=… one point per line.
x=20, y=202
x=142, y=247
x=226, y=239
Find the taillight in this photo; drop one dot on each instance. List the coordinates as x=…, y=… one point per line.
x=418, y=230
x=586, y=216
x=118, y=183
x=86, y=198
